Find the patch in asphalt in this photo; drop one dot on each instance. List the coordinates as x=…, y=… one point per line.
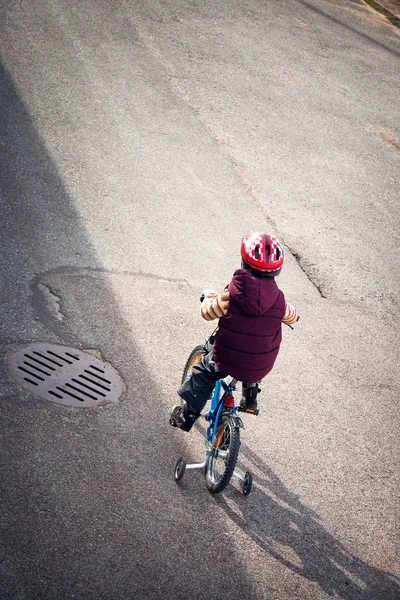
x=64, y=375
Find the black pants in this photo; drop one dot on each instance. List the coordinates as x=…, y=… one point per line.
x=199, y=387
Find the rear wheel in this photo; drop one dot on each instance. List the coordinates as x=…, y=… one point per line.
x=195, y=356
x=222, y=460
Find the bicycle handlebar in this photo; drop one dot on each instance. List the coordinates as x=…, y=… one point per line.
x=204, y=294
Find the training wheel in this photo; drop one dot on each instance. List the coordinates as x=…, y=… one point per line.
x=247, y=483
x=180, y=469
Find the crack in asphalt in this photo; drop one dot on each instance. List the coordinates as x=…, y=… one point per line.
x=47, y=306
x=52, y=300
x=300, y=261
x=297, y=257
x=47, y=301
x=98, y=271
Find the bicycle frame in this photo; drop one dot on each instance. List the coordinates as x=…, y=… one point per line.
x=217, y=406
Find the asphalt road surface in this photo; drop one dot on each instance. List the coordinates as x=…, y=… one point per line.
x=139, y=142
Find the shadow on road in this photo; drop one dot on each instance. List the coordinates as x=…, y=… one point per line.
x=89, y=505
x=286, y=529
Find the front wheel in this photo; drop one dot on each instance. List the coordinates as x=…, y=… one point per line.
x=195, y=356
x=224, y=454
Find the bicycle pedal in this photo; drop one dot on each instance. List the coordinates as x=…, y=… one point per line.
x=249, y=411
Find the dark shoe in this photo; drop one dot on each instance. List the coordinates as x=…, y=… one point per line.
x=182, y=417
x=248, y=402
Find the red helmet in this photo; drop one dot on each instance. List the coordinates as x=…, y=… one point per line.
x=263, y=252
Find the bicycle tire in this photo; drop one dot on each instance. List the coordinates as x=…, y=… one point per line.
x=180, y=468
x=219, y=469
x=194, y=357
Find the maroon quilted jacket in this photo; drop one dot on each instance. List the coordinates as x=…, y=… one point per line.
x=249, y=335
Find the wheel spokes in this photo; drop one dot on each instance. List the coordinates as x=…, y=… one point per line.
x=220, y=454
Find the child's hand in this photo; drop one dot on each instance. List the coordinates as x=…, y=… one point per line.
x=291, y=315
x=206, y=293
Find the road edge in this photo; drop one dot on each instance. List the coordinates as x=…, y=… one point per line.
x=379, y=7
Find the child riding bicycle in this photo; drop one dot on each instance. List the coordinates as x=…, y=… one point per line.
x=250, y=310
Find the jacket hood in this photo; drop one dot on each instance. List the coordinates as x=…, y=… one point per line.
x=254, y=295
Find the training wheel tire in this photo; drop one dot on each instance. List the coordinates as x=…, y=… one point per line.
x=247, y=483
x=180, y=469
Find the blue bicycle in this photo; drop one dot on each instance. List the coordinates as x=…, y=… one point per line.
x=223, y=434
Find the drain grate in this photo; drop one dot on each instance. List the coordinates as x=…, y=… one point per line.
x=64, y=375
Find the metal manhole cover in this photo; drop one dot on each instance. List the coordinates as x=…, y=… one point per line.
x=64, y=375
